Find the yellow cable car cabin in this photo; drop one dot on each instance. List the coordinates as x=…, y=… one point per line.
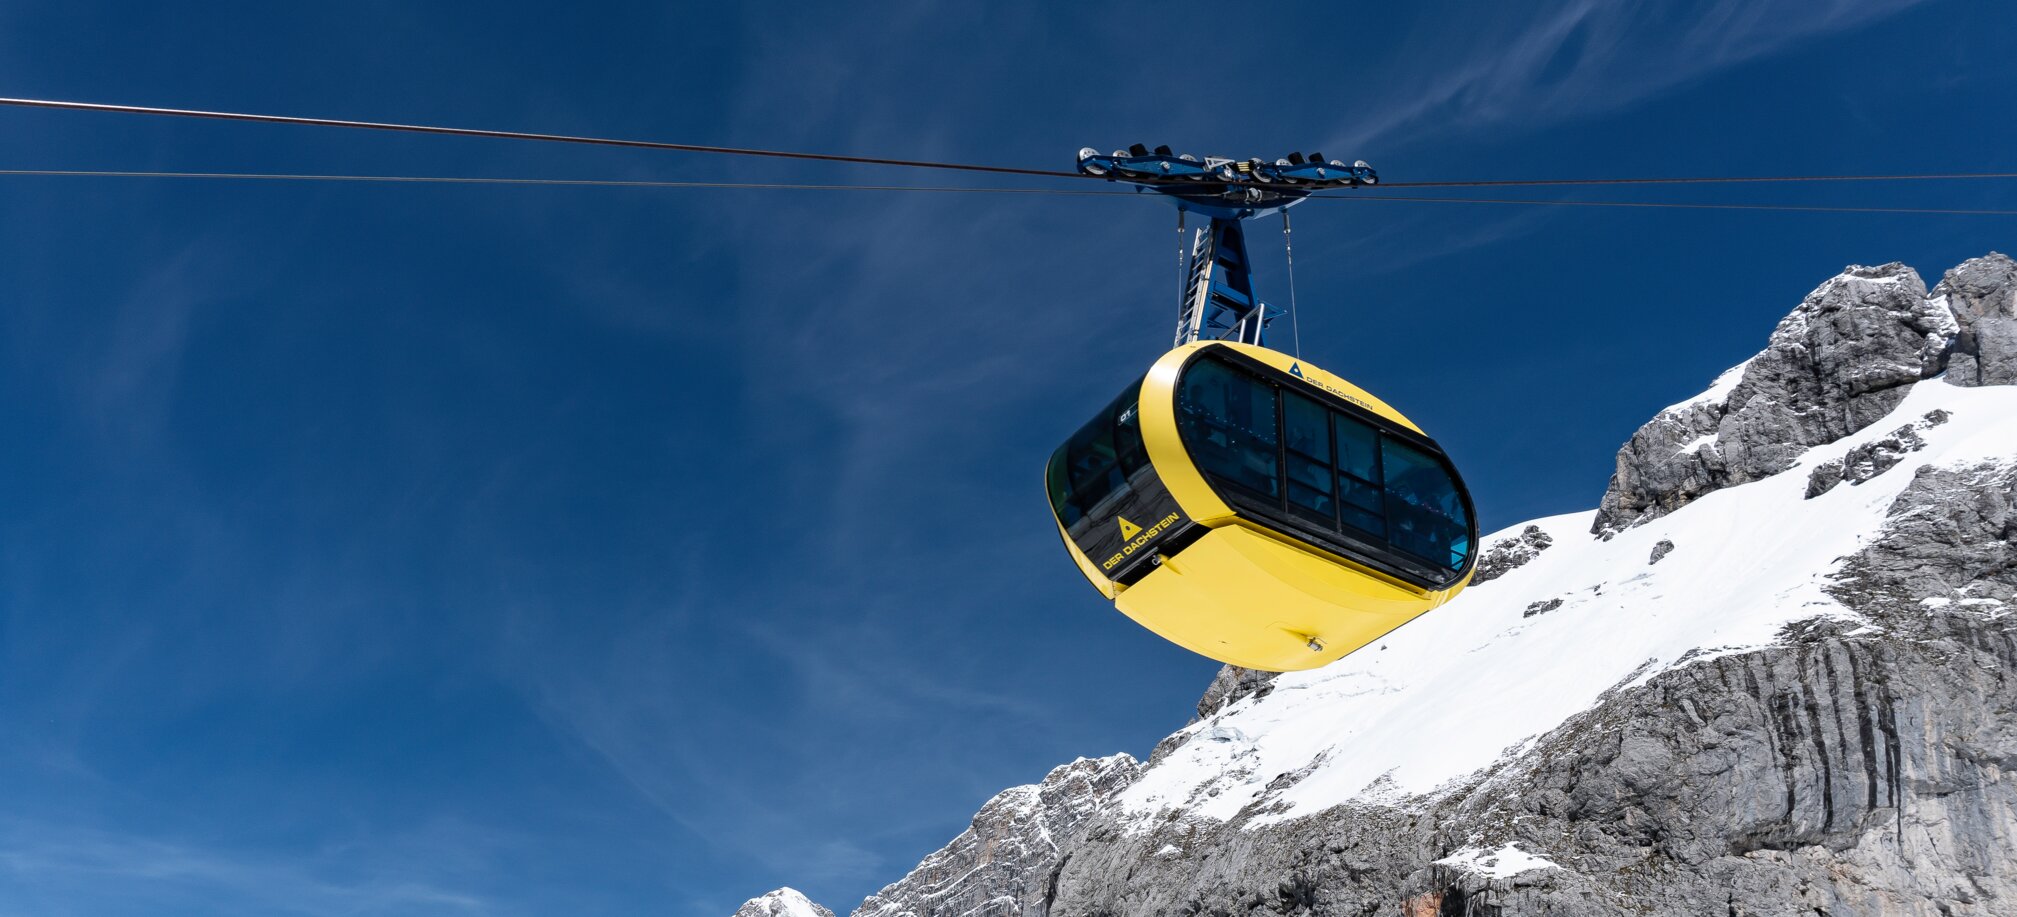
x=1260, y=511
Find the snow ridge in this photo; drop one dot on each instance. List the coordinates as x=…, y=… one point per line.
x=784, y=902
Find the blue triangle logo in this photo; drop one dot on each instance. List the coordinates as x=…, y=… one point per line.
x=1296, y=370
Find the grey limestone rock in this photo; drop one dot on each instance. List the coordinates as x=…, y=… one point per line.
x=1660, y=550
x=1842, y=359
x=1825, y=476
x=1873, y=458
x=1541, y=607
x=1982, y=293
x=1507, y=554
x=1234, y=684
x=1865, y=461
x=1005, y=862
x=1951, y=542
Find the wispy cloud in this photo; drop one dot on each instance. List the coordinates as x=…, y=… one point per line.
x=63, y=869
x=1525, y=70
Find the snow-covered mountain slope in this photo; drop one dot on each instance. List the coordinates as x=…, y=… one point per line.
x=1493, y=671
x=1773, y=674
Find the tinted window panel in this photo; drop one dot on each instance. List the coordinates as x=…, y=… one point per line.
x=1306, y=434
x=1425, y=513
x=1306, y=427
x=1228, y=423
x=1358, y=450
x=1363, y=507
x=1096, y=462
x=1313, y=501
x=1128, y=446
x=1321, y=473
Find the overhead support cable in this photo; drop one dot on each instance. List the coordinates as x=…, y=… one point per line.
x=935, y=189
x=1705, y=180
x=563, y=182
x=526, y=135
x=926, y=164
x=1666, y=205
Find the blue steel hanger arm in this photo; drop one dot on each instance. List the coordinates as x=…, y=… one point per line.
x=1219, y=301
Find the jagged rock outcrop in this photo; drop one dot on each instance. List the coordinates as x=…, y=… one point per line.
x=1508, y=554
x=1005, y=862
x=1873, y=458
x=1234, y=684
x=1839, y=362
x=785, y=902
x=1863, y=761
x=1541, y=607
x=1951, y=544
x=1982, y=294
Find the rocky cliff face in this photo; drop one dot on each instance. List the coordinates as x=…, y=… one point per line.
x=1982, y=293
x=1840, y=361
x=1007, y=861
x=1751, y=693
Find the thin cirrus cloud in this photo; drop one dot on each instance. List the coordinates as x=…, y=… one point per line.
x=1586, y=58
x=75, y=870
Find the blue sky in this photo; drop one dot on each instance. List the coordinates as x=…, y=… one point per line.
x=416, y=549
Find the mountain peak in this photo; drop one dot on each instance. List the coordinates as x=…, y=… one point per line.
x=784, y=902
x=1842, y=359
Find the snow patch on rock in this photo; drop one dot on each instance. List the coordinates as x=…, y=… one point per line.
x=1502, y=862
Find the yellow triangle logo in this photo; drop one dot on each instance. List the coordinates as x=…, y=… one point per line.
x=1128, y=529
